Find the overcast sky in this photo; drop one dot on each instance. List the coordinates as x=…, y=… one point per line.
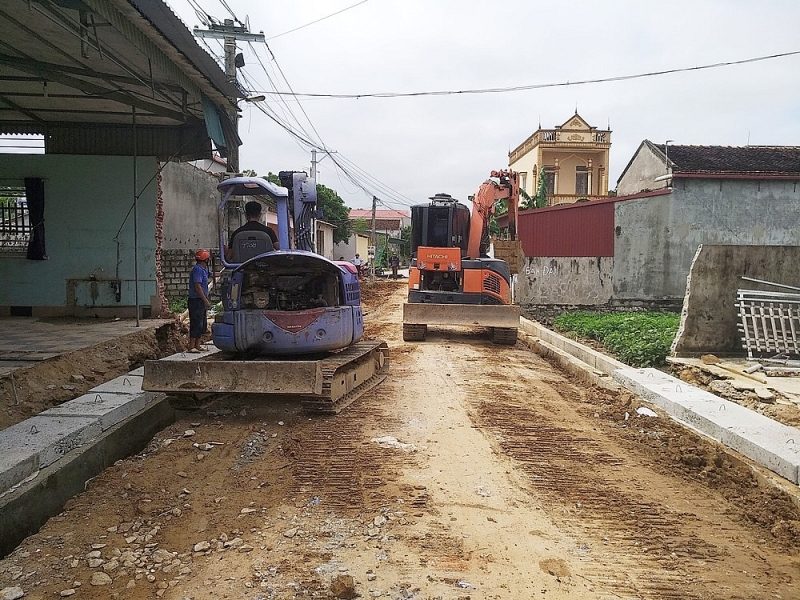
x=417, y=146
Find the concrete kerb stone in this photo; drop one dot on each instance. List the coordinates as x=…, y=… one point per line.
x=209, y=351
x=761, y=439
x=42, y=440
x=26, y=507
x=125, y=384
x=39, y=442
x=108, y=408
x=592, y=358
x=569, y=363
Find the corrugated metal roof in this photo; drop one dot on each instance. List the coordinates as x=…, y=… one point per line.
x=71, y=65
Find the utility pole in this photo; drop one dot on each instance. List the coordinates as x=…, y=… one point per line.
x=315, y=162
x=372, y=238
x=229, y=33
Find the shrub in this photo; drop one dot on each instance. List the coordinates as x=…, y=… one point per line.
x=639, y=339
x=178, y=305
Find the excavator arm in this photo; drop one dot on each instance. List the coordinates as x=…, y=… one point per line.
x=483, y=207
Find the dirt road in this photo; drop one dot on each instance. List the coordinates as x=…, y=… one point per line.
x=473, y=472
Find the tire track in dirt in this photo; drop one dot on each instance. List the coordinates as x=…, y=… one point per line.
x=568, y=469
x=336, y=465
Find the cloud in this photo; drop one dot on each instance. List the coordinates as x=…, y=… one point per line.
x=421, y=146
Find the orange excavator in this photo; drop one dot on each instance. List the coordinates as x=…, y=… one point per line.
x=452, y=280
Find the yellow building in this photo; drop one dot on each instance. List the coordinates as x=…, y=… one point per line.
x=575, y=160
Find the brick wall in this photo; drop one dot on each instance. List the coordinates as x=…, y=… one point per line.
x=176, y=264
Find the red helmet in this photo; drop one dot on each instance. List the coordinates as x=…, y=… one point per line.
x=202, y=255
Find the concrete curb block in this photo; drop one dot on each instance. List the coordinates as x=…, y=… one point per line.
x=592, y=358
x=107, y=408
x=767, y=442
x=40, y=441
x=757, y=437
x=569, y=363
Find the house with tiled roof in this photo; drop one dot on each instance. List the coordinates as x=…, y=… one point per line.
x=656, y=166
x=390, y=222
x=637, y=248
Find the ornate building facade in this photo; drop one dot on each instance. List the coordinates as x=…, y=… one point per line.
x=573, y=159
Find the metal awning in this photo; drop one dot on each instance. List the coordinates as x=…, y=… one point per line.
x=75, y=71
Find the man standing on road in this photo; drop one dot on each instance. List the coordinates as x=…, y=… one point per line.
x=198, y=300
x=394, y=262
x=358, y=263
x=252, y=210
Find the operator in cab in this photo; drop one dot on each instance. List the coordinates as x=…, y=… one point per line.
x=252, y=211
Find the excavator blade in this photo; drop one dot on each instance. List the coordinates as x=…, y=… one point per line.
x=502, y=320
x=323, y=384
x=482, y=315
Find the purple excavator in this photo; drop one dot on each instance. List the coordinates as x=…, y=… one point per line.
x=291, y=323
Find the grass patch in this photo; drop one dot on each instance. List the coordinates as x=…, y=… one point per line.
x=178, y=305
x=639, y=339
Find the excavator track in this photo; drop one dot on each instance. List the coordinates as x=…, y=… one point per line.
x=348, y=374
x=506, y=336
x=323, y=384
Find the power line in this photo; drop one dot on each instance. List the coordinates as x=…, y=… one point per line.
x=539, y=86
x=368, y=184
x=317, y=21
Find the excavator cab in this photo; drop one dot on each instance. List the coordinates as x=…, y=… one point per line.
x=443, y=223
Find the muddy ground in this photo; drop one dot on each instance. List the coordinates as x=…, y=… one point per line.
x=473, y=472
x=67, y=376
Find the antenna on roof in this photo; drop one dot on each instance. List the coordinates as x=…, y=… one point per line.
x=748, y=138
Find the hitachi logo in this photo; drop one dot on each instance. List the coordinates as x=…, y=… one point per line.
x=435, y=256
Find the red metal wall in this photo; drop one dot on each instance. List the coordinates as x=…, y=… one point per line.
x=580, y=229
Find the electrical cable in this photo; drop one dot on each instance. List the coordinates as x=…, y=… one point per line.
x=317, y=20
x=368, y=184
x=275, y=87
x=205, y=18
x=362, y=180
x=539, y=86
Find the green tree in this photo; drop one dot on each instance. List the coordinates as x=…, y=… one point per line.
x=540, y=199
x=527, y=201
x=360, y=225
x=405, y=246
x=333, y=210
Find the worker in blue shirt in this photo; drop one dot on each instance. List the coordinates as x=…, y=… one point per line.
x=198, y=300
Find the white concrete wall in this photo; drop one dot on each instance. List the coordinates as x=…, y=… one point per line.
x=190, y=200
x=581, y=281
x=710, y=319
x=644, y=267
x=641, y=175
x=659, y=236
